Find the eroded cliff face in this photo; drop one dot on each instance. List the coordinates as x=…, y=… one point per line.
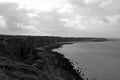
x=21, y=59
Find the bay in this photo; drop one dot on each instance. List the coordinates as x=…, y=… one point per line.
x=99, y=60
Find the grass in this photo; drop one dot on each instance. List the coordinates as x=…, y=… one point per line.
x=20, y=60
x=31, y=58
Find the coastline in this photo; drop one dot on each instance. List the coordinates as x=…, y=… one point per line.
x=32, y=58
x=88, y=65
x=33, y=64
x=63, y=63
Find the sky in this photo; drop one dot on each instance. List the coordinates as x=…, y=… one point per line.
x=71, y=18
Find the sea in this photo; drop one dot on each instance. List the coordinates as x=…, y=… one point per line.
x=95, y=60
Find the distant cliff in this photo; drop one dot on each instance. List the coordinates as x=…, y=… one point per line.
x=31, y=58
x=21, y=59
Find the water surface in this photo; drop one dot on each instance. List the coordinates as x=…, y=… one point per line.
x=101, y=60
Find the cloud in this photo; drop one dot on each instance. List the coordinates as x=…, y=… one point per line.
x=91, y=1
x=106, y=3
x=96, y=20
x=2, y=22
x=63, y=17
x=82, y=22
x=96, y=7
x=77, y=2
x=13, y=18
x=101, y=3
x=41, y=5
x=67, y=8
x=23, y=21
x=75, y=22
x=96, y=11
x=113, y=19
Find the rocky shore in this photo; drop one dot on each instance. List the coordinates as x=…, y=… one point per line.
x=59, y=64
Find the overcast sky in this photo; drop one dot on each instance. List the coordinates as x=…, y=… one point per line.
x=92, y=18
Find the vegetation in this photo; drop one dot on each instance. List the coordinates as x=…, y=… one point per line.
x=31, y=58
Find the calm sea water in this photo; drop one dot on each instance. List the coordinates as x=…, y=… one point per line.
x=100, y=60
